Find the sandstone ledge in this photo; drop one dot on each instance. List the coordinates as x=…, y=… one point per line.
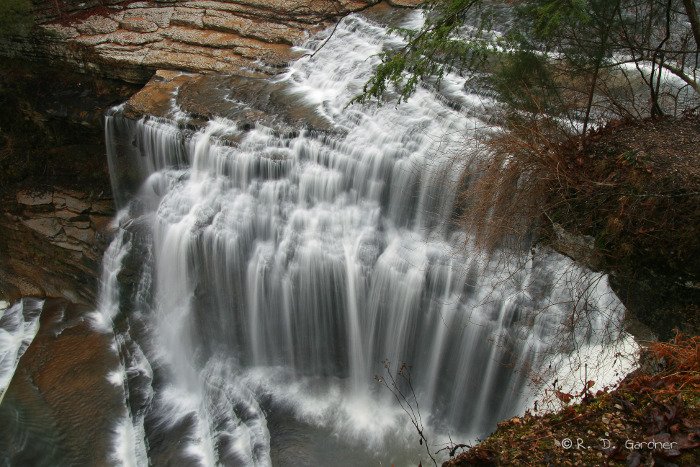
x=61, y=407
x=246, y=99
x=130, y=40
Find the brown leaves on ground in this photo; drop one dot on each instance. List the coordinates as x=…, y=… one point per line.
x=652, y=418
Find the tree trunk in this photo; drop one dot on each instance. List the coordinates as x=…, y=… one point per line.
x=692, y=13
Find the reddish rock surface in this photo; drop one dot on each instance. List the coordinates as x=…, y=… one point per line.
x=61, y=408
x=130, y=40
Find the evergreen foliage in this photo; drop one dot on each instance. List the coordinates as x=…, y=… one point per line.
x=561, y=57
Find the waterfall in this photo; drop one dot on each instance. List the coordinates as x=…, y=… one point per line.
x=19, y=324
x=272, y=272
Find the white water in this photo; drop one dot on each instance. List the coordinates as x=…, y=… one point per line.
x=18, y=326
x=279, y=273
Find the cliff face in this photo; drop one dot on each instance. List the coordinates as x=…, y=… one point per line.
x=55, y=198
x=130, y=40
x=52, y=241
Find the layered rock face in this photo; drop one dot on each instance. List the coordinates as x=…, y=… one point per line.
x=53, y=241
x=130, y=40
x=55, y=197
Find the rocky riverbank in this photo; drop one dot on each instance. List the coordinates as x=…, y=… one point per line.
x=628, y=207
x=633, y=191
x=650, y=419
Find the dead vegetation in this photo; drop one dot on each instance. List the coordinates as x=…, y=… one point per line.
x=631, y=188
x=659, y=403
x=628, y=193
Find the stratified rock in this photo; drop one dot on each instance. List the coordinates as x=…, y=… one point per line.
x=131, y=41
x=406, y=3
x=263, y=30
x=138, y=24
x=55, y=201
x=46, y=226
x=160, y=16
x=73, y=201
x=191, y=17
x=580, y=248
x=155, y=98
x=28, y=198
x=97, y=24
x=53, y=246
x=248, y=100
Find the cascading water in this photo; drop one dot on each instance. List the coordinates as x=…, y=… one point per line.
x=18, y=326
x=272, y=272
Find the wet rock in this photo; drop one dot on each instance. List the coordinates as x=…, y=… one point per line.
x=580, y=248
x=55, y=249
x=159, y=16
x=138, y=5
x=48, y=227
x=73, y=202
x=156, y=97
x=123, y=38
x=406, y=3
x=249, y=100
x=137, y=24
x=73, y=246
x=61, y=407
x=60, y=32
x=191, y=17
x=262, y=30
x=82, y=235
x=55, y=201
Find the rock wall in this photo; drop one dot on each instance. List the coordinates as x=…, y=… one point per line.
x=55, y=197
x=52, y=243
x=130, y=40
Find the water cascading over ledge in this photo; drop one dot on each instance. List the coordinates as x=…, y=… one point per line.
x=272, y=269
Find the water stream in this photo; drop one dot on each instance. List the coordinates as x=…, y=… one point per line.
x=19, y=324
x=269, y=274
